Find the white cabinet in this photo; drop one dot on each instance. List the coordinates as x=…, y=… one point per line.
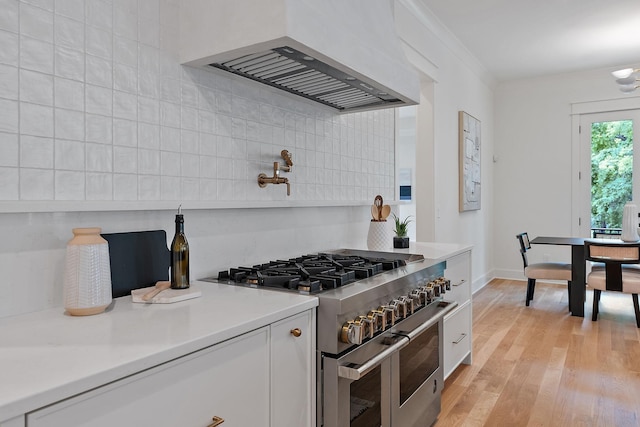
x=229, y=380
x=293, y=371
x=457, y=324
x=262, y=378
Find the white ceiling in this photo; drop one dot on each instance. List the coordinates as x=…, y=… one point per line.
x=525, y=38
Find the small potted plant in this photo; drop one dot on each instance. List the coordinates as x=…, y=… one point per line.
x=401, y=240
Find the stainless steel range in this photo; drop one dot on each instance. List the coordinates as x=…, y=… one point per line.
x=379, y=332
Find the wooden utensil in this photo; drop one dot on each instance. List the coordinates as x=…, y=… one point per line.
x=385, y=211
x=160, y=286
x=374, y=213
x=378, y=202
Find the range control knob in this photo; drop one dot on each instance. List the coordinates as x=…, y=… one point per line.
x=378, y=320
x=367, y=326
x=351, y=333
x=391, y=314
x=409, y=305
x=399, y=307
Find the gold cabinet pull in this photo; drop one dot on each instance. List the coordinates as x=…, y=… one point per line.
x=216, y=421
x=296, y=332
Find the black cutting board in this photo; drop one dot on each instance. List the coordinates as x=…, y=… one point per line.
x=138, y=259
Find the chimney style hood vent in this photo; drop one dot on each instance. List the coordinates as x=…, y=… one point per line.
x=344, y=54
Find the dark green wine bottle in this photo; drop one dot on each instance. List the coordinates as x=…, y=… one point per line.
x=179, y=256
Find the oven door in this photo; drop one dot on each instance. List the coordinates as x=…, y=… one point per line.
x=418, y=377
x=393, y=380
x=356, y=387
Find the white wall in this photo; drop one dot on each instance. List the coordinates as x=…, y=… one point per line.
x=460, y=84
x=533, y=174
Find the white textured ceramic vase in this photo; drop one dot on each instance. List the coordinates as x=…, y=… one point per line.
x=87, y=273
x=630, y=223
x=379, y=237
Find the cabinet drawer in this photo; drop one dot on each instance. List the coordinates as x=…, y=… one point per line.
x=457, y=338
x=459, y=272
x=229, y=380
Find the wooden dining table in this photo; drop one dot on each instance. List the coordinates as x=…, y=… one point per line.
x=578, y=268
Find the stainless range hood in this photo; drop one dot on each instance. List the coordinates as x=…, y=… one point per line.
x=341, y=53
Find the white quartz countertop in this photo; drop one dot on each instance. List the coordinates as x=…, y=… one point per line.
x=48, y=356
x=437, y=251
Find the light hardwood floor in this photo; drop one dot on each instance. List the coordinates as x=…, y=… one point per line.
x=539, y=366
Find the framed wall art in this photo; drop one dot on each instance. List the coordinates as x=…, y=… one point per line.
x=469, y=161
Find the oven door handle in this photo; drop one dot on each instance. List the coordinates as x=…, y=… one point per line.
x=429, y=323
x=355, y=373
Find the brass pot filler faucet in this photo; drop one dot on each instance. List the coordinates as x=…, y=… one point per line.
x=263, y=179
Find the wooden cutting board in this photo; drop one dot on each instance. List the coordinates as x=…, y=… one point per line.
x=167, y=296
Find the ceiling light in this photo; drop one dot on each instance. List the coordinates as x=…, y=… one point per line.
x=627, y=79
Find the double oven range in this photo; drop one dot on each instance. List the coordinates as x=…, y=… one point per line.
x=380, y=336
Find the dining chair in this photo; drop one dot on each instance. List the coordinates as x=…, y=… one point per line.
x=620, y=272
x=542, y=270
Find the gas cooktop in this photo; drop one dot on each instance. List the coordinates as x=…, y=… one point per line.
x=315, y=273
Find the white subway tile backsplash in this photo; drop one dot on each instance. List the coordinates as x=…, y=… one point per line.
x=99, y=186
x=36, y=184
x=98, y=128
x=69, y=124
x=125, y=133
x=9, y=86
x=171, y=90
x=189, y=118
x=148, y=59
x=99, y=43
x=125, y=187
x=170, y=114
x=9, y=15
x=170, y=164
x=99, y=13
x=149, y=187
x=9, y=116
x=148, y=136
x=10, y=52
x=190, y=142
x=148, y=162
x=10, y=183
x=69, y=155
x=208, y=168
x=208, y=145
x=125, y=105
x=125, y=51
x=36, y=22
x=148, y=84
x=69, y=185
x=9, y=149
x=68, y=94
x=69, y=63
x=148, y=110
x=99, y=158
x=70, y=8
x=36, y=120
x=170, y=187
x=190, y=189
x=69, y=33
x=36, y=55
x=170, y=139
x=125, y=22
x=98, y=100
x=127, y=115
x=208, y=189
x=125, y=160
x=99, y=71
